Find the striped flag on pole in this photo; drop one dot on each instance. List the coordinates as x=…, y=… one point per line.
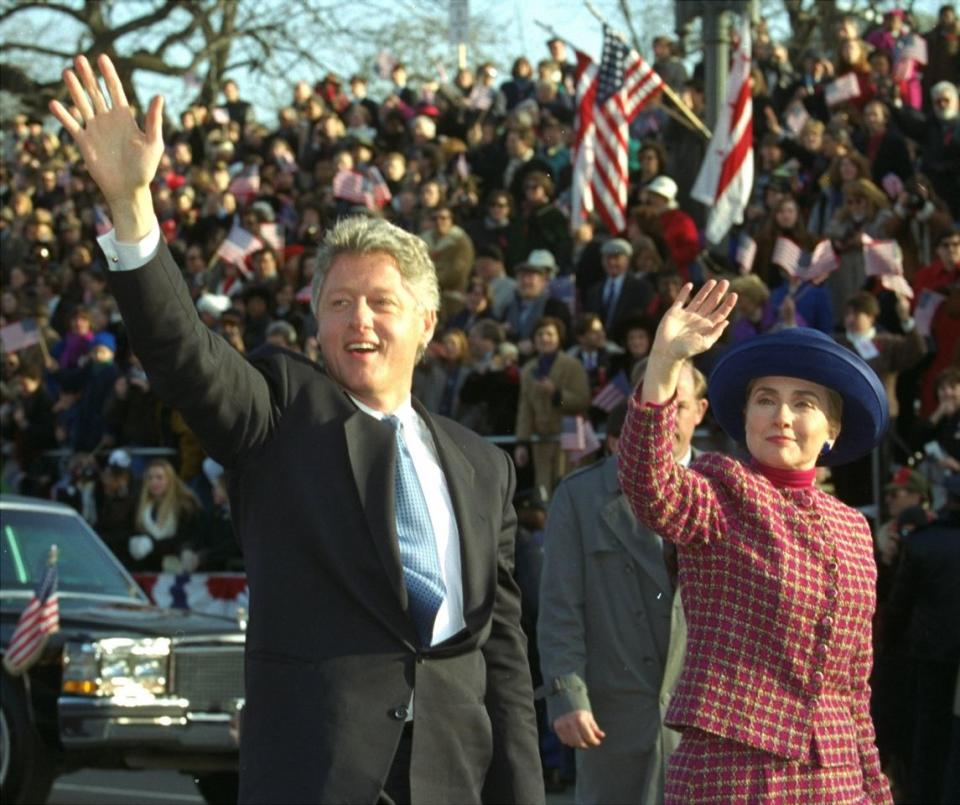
x=812, y=267
x=725, y=180
x=608, y=98
x=881, y=257
x=38, y=621
x=246, y=184
x=237, y=245
x=19, y=335
x=612, y=394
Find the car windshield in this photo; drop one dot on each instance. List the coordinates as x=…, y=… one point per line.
x=84, y=563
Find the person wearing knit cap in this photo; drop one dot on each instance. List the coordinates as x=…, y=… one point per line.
x=778, y=578
x=103, y=348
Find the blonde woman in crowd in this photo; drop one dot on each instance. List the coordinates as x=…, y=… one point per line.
x=166, y=521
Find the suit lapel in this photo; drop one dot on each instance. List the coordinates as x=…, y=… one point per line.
x=373, y=456
x=616, y=516
x=459, y=474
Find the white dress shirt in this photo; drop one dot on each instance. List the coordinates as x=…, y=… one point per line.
x=426, y=462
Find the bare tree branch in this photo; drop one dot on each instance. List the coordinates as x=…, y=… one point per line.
x=160, y=14
x=20, y=7
x=31, y=48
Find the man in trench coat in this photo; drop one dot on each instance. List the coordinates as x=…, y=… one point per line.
x=611, y=630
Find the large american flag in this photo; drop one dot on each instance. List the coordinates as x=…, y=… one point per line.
x=608, y=98
x=39, y=620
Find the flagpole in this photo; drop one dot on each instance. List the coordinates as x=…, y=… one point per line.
x=690, y=115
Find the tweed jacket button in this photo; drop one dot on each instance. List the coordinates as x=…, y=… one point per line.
x=831, y=592
x=399, y=713
x=833, y=566
x=827, y=621
x=821, y=648
x=818, y=677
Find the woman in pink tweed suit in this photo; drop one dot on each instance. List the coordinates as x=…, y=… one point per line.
x=777, y=577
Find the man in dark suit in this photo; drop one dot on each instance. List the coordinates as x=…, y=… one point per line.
x=384, y=657
x=924, y=614
x=622, y=295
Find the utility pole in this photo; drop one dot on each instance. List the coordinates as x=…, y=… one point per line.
x=459, y=29
x=716, y=16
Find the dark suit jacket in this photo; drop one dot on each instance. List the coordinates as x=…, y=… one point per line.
x=924, y=604
x=332, y=657
x=635, y=297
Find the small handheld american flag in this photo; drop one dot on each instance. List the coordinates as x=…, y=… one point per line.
x=38, y=621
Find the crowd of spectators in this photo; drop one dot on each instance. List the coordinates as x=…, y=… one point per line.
x=539, y=314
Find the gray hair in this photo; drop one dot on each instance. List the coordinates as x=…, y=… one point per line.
x=361, y=235
x=944, y=88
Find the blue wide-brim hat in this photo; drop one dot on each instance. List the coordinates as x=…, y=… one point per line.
x=807, y=354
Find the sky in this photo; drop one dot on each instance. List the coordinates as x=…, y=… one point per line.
x=570, y=18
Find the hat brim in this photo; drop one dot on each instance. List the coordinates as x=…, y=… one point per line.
x=806, y=354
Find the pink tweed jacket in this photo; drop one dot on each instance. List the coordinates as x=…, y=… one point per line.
x=779, y=592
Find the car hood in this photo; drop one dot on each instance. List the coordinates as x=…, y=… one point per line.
x=93, y=617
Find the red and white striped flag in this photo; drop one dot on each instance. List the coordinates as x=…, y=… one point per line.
x=881, y=257
x=38, y=621
x=272, y=233
x=19, y=335
x=379, y=190
x=367, y=187
x=823, y=262
x=810, y=267
x=348, y=186
x=237, y=245
x=245, y=185
x=612, y=394
x=725, y=180
x=746, y=253
x=572, y=434
x=788, y=255
x=845, y=88
x=915, y=49
x=608, y=98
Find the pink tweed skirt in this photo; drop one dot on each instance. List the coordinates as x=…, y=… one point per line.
x=706, y=768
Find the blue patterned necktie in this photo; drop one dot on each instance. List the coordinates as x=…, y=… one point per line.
x=418, y=545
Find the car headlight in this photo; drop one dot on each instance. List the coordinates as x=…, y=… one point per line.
x=117, y=666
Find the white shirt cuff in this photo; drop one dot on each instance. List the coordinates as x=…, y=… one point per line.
x=129, y=256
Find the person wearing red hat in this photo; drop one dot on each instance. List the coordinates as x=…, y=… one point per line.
x=778, y=578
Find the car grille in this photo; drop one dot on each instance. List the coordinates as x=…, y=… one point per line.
x=210, y=677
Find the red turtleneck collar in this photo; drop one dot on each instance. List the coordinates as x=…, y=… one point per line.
x=786, y=479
